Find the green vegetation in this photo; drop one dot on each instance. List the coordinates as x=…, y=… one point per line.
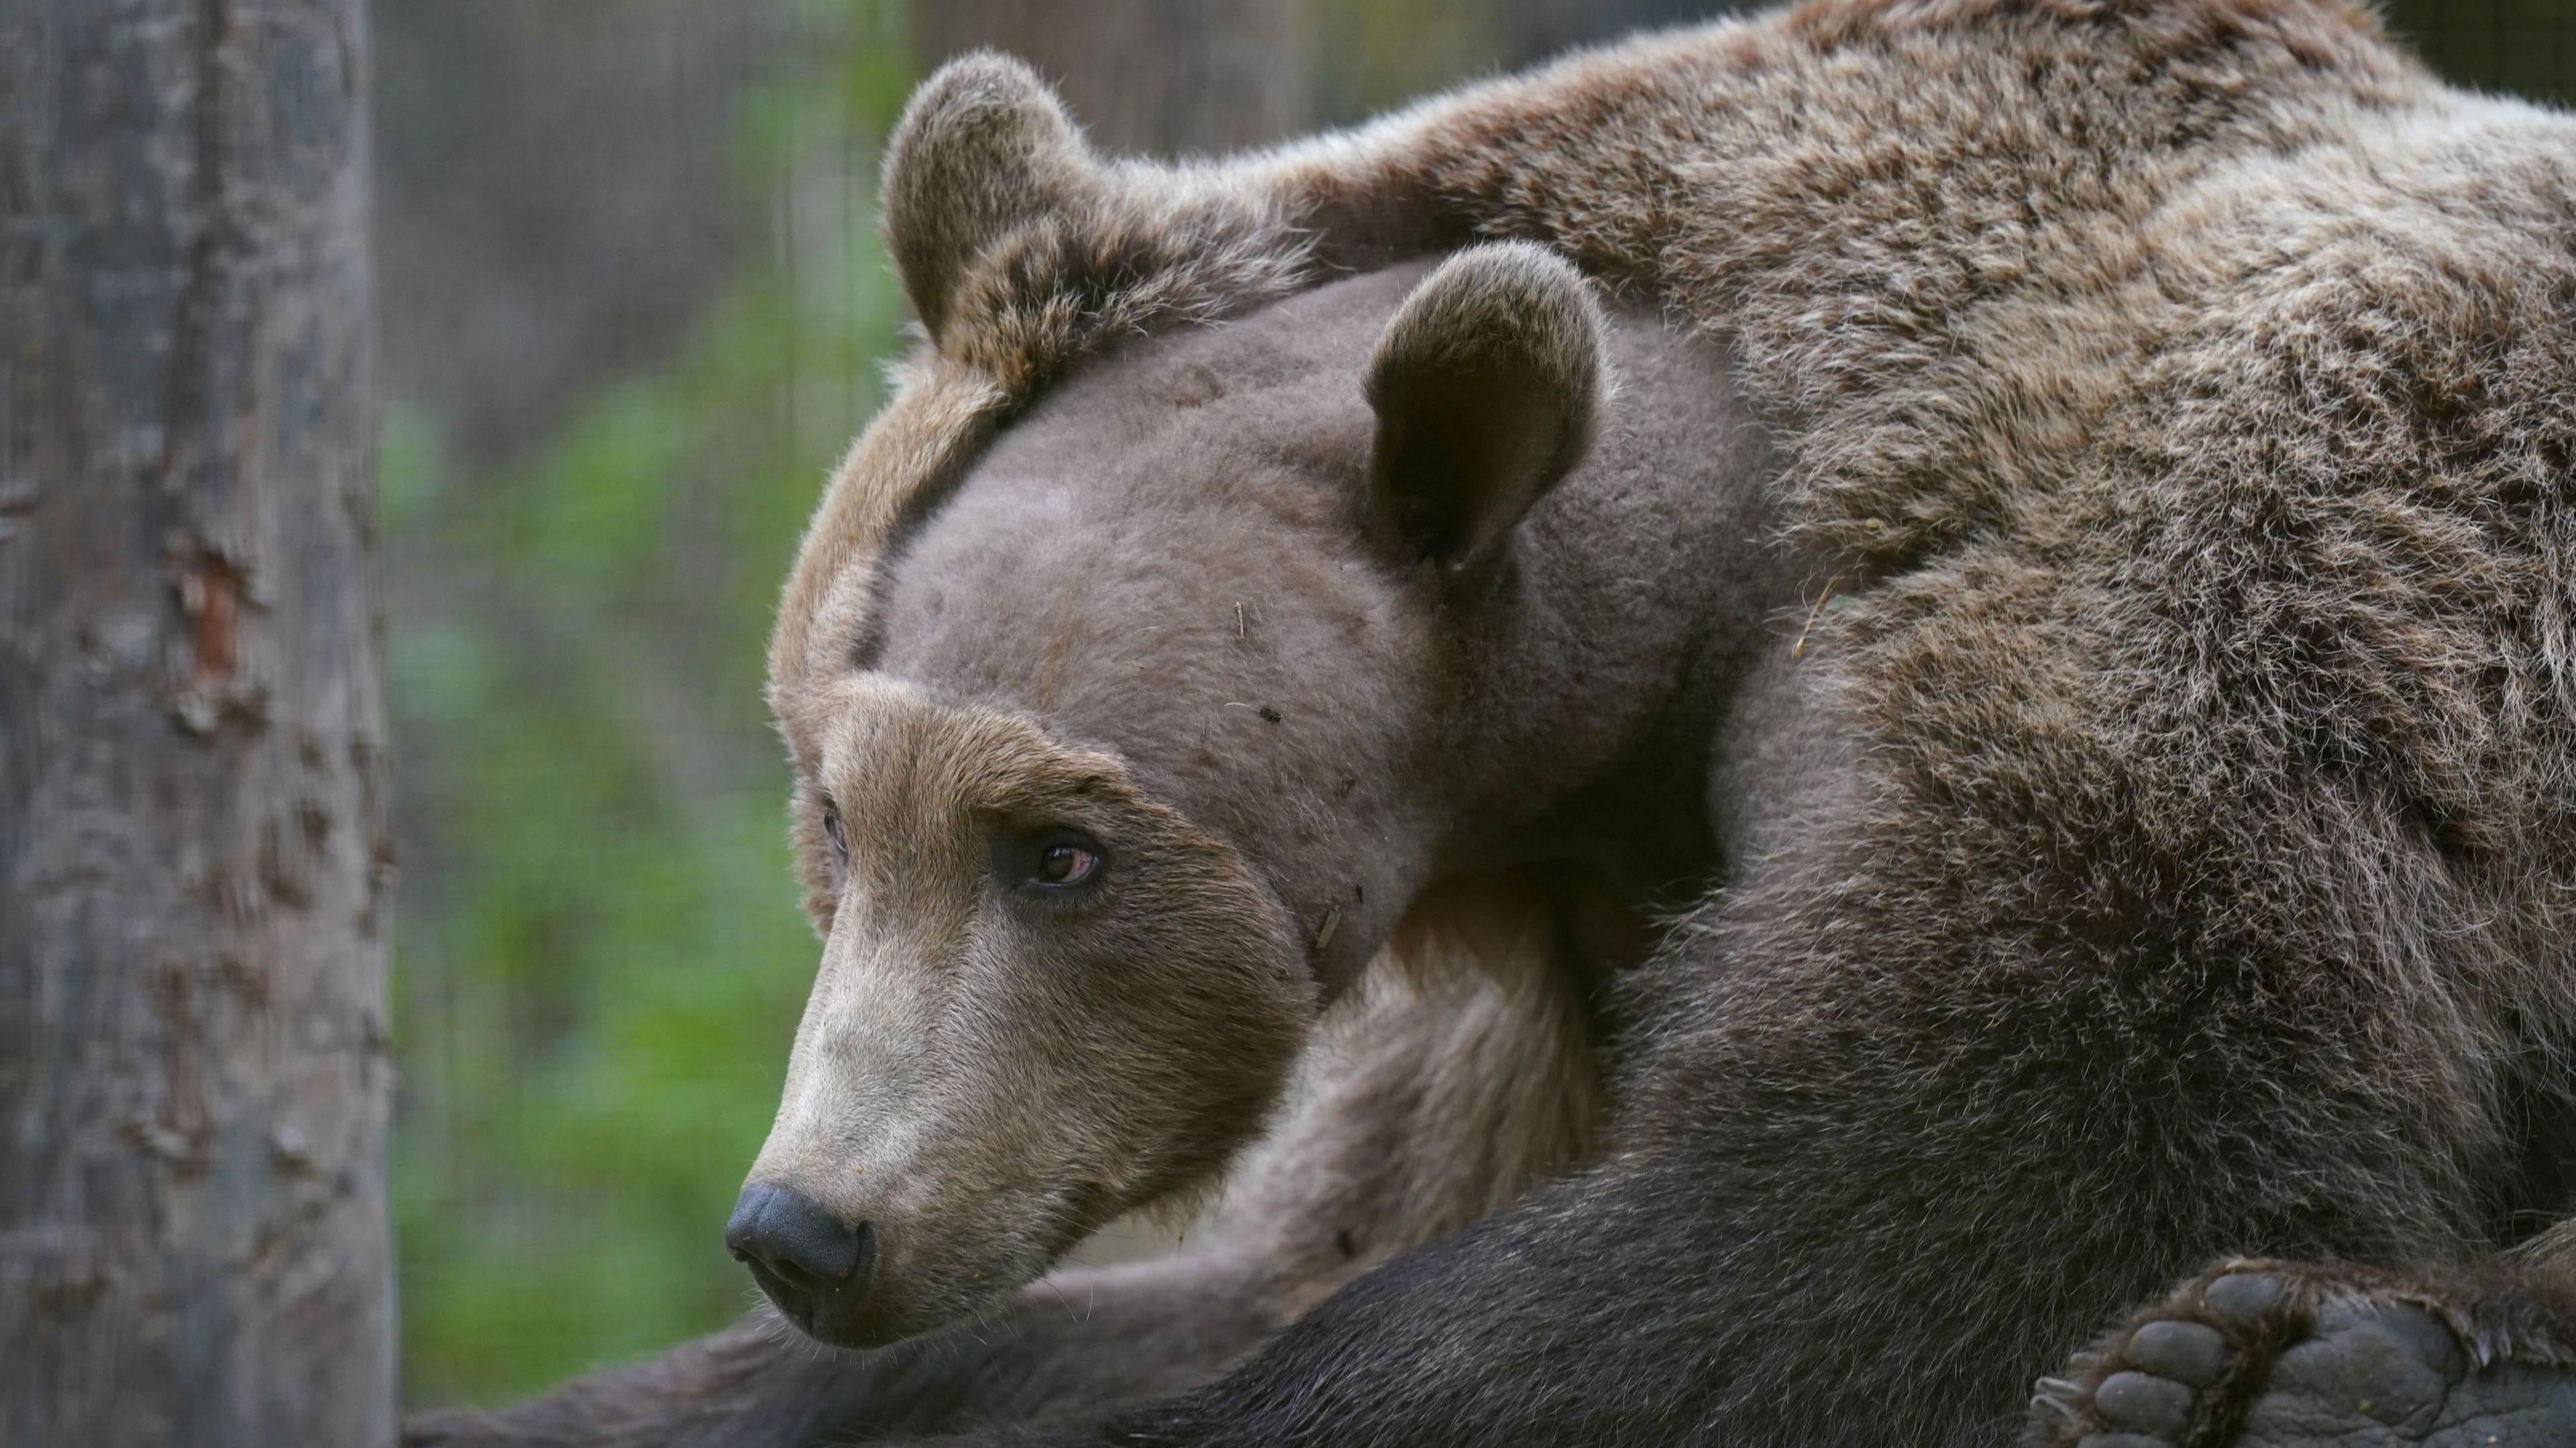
x=599, y=967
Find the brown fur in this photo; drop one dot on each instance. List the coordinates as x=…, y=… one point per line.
x=1463, y=1069
x=2159, y=846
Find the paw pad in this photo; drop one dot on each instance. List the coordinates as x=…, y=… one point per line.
x=2140, y=1403
x=2152, y=1398
x=2186, y=1352
x=2244, y=1297
x=2305, y=1359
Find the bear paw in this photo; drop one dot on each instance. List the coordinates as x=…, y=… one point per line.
x=2260, y=1357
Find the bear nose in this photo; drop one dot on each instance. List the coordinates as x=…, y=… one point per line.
x=799, y=1252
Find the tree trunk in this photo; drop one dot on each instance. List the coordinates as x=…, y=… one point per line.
x=193, y=1244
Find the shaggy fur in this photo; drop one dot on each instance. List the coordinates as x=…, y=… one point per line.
x=2159, y=846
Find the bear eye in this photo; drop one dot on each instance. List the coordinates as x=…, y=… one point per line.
x=1066, y=864
x=1056, y=861
x=833, y=832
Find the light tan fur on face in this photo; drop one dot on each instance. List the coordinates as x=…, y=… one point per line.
x=985, y=1077
x=939, y=414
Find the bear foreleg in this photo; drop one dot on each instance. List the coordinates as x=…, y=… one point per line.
x=1081, y=1340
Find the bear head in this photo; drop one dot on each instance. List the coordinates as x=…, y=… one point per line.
x=1114, y=690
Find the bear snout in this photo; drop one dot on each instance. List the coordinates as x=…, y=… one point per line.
x=809, y=1262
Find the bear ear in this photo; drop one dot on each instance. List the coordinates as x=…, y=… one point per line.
x=983, y=147
x=1487, y=385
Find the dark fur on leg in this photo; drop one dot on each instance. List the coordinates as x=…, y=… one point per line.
x=749, y=1384
x=1082, y=1341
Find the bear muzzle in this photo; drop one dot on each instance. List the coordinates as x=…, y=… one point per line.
x=813, y=1266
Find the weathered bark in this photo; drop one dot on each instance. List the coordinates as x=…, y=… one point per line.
x=1153, y=76
x=193, y=1246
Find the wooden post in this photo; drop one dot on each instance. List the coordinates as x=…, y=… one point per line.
x=193, y=1088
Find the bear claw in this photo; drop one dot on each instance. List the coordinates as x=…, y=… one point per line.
x=2256, y=1359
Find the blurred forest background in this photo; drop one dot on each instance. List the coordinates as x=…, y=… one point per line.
x=633, y=305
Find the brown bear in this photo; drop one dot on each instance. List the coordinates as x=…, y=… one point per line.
x=1774, y=718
